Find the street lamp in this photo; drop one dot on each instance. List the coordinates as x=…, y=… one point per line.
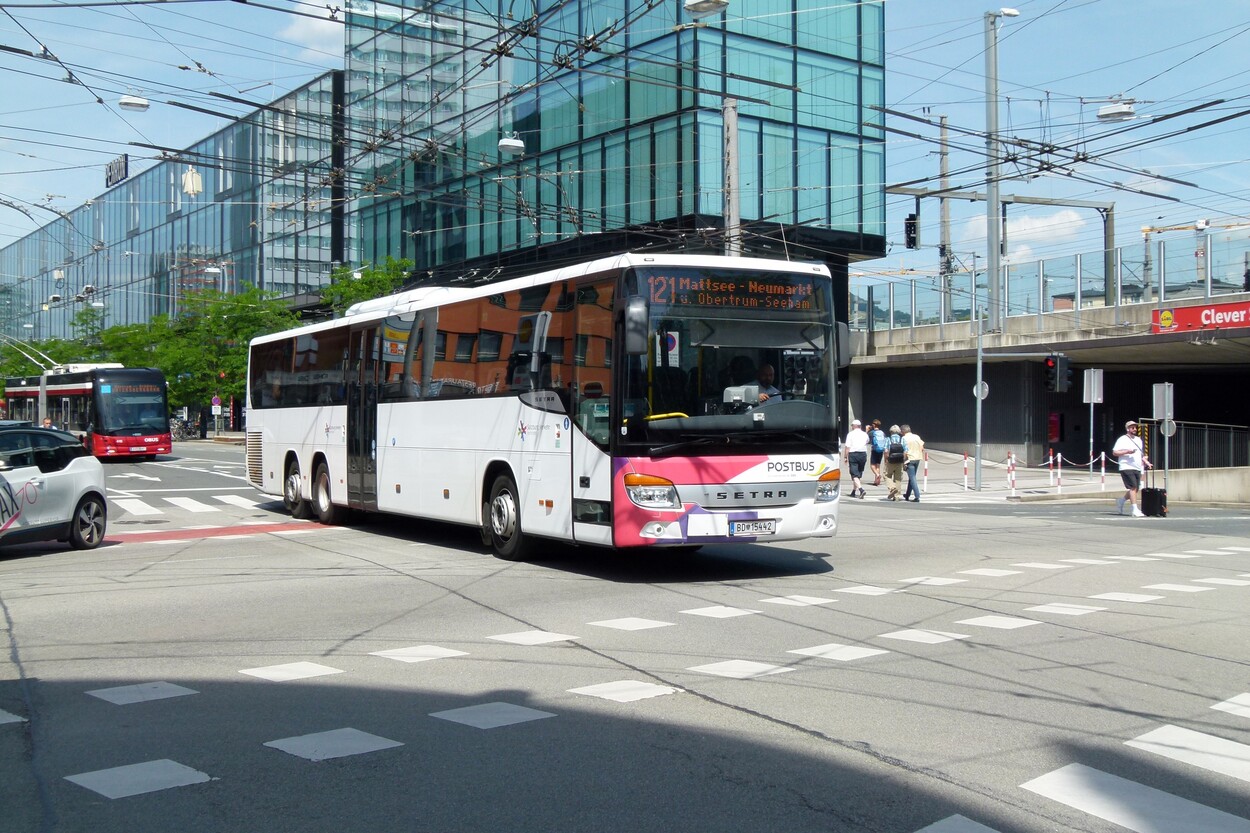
x=993, y=206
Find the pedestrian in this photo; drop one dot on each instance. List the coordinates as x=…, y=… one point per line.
x=47, y=422
x=877, y=436
x=895, y=458
x=1130, y=453
x=856, y=448
x=915, y=455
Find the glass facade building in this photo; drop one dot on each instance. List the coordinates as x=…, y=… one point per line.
x=619, y=107
x=255, y=204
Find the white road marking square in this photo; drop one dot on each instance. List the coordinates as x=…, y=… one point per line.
x=491, y=715
x=191, y=504
x=986, y=571
x=1177, y=588
x=1065, y=609
x=956, y=824
x=1041, y=565
x=418, y=653
x=5, y=717
x=866, y=590
x=532, y=637
x=291, y=671
x=1230, y=582
x=1132, y=558
x=1239, y=705
x=798, y=601
x=336, y=743
x=924, y=636
x=932, y=580
x=1169, y=555
x=1086, y=561
x=238, y=500
x=136, y=779
x=841, y=653
x=1212, y=753
x=134, y=506
x=1207, y=552
x=124, y=695
x=1001, y=622
x=740, y=669
x=1131, y=805
x=625, y=691
x=1237, y=549
x=720, y=612
x=1126, y=597
x=631, y=623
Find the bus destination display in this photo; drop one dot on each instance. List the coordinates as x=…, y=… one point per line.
x=741, y=290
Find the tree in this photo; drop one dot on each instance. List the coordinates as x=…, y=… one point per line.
x=349, y=286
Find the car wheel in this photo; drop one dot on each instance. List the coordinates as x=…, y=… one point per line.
x=327, y=512
x=296, y=505
x=504, y=521
x=86, y=527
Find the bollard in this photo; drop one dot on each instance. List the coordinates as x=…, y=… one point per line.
x=925, y=479
x=1011, y=472
x=1102, y=465
x=1050, y=466
x=965, y=471
x=1059, y=489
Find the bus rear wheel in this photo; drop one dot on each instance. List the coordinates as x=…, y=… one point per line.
x=291, y=499
x=327, y=512
x=503, y=520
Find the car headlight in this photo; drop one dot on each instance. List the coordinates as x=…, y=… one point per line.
x=827, y=485
x=651, y=492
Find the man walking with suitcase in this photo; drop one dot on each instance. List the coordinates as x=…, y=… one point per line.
x=1133, y=461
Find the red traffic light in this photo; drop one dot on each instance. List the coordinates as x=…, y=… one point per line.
x=1051, y=362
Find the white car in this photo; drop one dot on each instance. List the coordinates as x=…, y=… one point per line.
x=51, y=489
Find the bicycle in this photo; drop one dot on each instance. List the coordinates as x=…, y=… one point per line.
x=179, y=430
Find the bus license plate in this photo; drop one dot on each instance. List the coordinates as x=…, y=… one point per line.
x=138, y=448
x=763, y=527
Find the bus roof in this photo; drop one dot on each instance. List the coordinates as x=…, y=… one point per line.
x=424, y=297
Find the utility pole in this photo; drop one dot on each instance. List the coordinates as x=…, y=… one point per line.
x=944, y=238
x=993, y=208
x=732, y=212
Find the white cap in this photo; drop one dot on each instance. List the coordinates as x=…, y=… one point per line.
x=856, y=422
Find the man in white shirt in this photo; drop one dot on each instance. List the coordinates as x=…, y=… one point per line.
x=1130, y=453
x=856, y=448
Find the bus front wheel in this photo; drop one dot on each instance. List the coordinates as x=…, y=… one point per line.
x=291, y=499
x=327, y=512
x=503, y=521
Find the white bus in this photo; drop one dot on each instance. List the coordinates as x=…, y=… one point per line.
x=623, y=402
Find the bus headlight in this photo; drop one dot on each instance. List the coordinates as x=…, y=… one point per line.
x=827, y=485
x=651, y=492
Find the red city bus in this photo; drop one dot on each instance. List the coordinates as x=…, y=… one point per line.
x=117, y=411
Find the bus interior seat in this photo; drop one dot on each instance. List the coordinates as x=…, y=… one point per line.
x=668, y=390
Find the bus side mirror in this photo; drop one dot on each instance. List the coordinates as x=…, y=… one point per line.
x=844, y=344
x=636, y=326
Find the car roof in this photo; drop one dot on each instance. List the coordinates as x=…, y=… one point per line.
x=15, y=423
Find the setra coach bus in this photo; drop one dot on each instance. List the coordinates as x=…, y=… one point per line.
x=640, y=400
x=117, y=411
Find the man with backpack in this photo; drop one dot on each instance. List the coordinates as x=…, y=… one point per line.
x=877, y=438
x=895, y=459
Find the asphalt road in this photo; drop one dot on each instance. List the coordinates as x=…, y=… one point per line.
x=956, y=666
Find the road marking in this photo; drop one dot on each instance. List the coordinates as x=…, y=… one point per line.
x=1041, y=565
x=1127, y=597
x=491, y=715
x=1207, y=552
x=924, y=636
x=866, y=590
x=841, y=653
x=1178, y=588
x=1006, y=623
x=1132, y=558
x=631, y=624
x=1169, y=555
x=1091, y=560
x=1239, y=705
x=237, y=500
x=136, y=507
x=291, y=671
x=932, y=580
x=986, y=571
x=125, y=695
x=336, y=743
x=1065, y=609
x=418, y=653
x=720, y=612
x=1131, y=805
x=533, y=637
x=956, y=824
x=1230, y=582
x=136, y=779
x=191, y=504
x=1202, y=750
x=798, y=601
x=740, y=669
x=625, y=691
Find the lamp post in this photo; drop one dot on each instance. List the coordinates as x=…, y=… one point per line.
x=993, y=206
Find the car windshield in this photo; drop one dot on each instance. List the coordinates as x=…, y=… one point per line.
x=737, y=362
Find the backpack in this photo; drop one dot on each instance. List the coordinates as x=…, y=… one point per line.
x=878, y=439
x=896, y=450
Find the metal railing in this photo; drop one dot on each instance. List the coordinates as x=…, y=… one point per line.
x=1197, y=445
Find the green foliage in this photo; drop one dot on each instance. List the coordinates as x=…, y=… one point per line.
x=202, y=351
x=345, y=288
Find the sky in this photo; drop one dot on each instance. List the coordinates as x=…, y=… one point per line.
x=1059, y=62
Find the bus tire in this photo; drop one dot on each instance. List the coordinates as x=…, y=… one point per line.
x=291, y=499
x=504, y=520
x=327, y=512
x=86, y=527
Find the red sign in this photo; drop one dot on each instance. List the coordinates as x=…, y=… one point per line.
x=1207, y=317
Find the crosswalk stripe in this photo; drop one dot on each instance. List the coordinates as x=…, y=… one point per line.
x=956, y=824
x=1239, y=705
x=1207, y=751
x=1131, y=805
x=238, y=500
x=136, y=507
x=191, y=504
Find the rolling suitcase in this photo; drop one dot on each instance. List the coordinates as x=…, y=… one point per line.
x=1154, y=502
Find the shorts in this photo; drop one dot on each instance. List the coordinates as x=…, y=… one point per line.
x=856, y=460
x=1131, y=478
x=876, y=456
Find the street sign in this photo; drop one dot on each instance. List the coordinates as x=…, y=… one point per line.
x=1093, y=386
x=981, y=391
x=1163, y=401
x=216, y=410
x=1168, y=428
x=216, y=400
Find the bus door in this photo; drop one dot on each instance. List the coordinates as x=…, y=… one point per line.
x=362, y=419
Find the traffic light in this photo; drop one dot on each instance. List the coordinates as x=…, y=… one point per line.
x=911, y=231
x=1052, y=373
x=1063, y=374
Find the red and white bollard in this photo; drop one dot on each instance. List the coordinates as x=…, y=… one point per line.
x=925, y=480
x=1059, y=489
x=1050, y=466
x=1011, y=472
x=965, y=471
x=1102, y=465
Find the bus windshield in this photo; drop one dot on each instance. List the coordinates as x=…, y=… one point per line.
x=130, y=403
x=736, y=362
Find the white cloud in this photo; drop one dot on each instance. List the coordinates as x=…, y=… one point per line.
x=319, y=38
